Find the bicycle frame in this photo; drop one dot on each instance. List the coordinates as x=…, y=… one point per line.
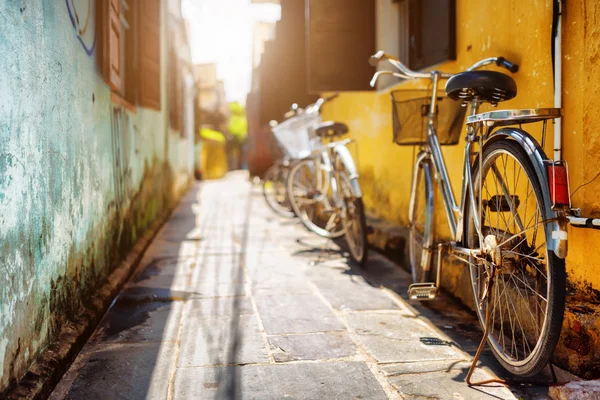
x=455, y=212
x=433, y=152
x=326, y=158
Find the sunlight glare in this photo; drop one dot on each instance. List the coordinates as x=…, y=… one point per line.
x=221, y=32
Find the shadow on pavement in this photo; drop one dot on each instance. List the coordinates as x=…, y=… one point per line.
x=446, y=313
x=180, y=309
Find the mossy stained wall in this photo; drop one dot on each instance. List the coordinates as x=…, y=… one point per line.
x=80, y=178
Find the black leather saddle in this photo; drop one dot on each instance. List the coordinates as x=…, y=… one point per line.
x=331, y=128
x=490, y=86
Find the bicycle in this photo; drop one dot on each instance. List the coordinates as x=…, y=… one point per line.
x=510, y=225
x=293, y=143
x=324, y=190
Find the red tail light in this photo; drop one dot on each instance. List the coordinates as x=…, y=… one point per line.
x=558, y=183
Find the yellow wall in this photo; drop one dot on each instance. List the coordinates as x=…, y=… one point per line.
x=213, y=159
x=520, y=31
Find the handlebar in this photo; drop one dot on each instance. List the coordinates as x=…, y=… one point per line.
x=406, y=73
x=314, y=107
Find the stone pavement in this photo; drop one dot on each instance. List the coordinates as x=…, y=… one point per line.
x=232, y=301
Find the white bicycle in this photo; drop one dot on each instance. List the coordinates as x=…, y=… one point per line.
x=324, y=191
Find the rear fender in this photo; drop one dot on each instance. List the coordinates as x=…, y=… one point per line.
x=556, y=236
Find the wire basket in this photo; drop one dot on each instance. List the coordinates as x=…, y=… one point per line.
x=297, y=135
x=410, y=109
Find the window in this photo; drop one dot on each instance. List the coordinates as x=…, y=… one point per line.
x=129, y=50
x=427, y=32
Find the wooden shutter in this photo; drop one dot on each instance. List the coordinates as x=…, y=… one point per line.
x=175, y=91
x=340, y=40
x=149, y=54
x=432, y=32
x=110, y=53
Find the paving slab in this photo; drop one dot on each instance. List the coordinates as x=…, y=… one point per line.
x=332, y=380
x=281, y=269
x=273, y=287
x=322, y=346
x=121, y=371
x=219, y=341
x=302, y=313
x=448, y=385
x=394, y=337
x=354, y=294
x=333, y=271
x=424, y=366
x=217, y=269
x=163, y=248
x=218, y=307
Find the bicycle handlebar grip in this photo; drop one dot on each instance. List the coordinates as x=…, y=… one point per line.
x=333, y=96
x=503, y=62
x=375, y=58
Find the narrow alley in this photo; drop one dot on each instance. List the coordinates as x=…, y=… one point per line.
x=308, y=199
x=232, y=301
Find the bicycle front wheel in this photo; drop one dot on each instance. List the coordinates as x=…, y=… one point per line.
x=526, y=298
x=420, y=215
x=355, y=223
x=310, y=196
x=274, y=191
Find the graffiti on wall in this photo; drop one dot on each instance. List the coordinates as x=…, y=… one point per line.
x=81, y=13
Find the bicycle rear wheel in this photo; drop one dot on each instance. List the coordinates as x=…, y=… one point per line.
x=309, y=191
x=526, y=299
x=274, y=191
x=420, y=215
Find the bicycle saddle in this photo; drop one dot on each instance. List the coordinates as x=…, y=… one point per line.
x=331, y=128
x=490, y=86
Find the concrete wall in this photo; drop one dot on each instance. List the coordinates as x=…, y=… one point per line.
x=80, y=178
x=521, y=32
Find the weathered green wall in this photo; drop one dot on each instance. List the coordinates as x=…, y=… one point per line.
x=80, y=178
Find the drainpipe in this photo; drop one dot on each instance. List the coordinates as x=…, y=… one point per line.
x=575, y=220
x=557, y=64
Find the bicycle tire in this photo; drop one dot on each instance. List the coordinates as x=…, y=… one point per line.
x=526, y=265
x=311, y=216
x=275, y=177
x=355, y=238
x=421, y=240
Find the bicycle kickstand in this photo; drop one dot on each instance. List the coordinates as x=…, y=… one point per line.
x=488, y=290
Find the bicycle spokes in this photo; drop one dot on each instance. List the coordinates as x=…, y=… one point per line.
x=512, y=244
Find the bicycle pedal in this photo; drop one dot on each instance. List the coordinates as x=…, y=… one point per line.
x=422, y=291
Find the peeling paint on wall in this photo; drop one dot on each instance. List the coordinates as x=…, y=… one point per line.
x=80, y=178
